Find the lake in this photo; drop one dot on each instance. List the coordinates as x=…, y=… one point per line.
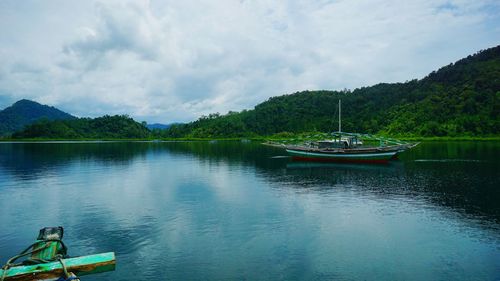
x=242, y=211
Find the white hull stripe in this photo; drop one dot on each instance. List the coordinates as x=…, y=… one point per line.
x=342, y=155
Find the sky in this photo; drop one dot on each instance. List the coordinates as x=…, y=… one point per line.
x=174, y=61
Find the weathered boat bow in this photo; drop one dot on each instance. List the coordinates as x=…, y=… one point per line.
x=47, y=259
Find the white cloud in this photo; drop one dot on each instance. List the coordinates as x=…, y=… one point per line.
x=165, y=61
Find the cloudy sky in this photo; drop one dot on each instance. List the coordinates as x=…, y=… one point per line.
x=171, y=61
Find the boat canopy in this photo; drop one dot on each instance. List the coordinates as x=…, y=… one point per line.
x=367, y=137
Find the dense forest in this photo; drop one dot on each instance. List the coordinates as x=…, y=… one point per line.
x=458, y=100
x=106, y=127
x=461, y=99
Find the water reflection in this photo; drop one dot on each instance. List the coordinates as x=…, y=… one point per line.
x=227, y=210
x=469, y=187
x=459, y=175
x=33, y=160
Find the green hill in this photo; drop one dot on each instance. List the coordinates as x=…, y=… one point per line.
x=106, y=127
x=461, y=99
x=25, y=112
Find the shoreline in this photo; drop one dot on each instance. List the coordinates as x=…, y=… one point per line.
x=98, y=140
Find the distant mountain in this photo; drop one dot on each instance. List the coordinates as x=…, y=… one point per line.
x=158, y=126
x=26, y=112
x=460, y=99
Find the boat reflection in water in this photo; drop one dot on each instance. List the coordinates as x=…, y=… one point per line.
x=391, y=166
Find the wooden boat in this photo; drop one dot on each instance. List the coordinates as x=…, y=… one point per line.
x=47, y=259
x=348, y=155
x=349, y=148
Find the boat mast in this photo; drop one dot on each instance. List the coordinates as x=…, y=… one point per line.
x=340, y=121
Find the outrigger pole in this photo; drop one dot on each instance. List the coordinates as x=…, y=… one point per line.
x=80, y=265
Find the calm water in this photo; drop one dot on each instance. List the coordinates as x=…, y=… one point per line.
x=231, y=210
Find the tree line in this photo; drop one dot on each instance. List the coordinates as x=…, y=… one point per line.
x=460, y=99
x=106, y=127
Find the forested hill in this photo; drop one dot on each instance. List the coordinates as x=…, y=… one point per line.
x=106, y=127
x=460, y=99
x=25, y=112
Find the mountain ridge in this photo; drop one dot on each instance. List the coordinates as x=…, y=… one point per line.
x=25, y=112
x=158, y=126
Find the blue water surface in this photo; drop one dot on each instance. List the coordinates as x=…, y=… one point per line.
x=238, y=211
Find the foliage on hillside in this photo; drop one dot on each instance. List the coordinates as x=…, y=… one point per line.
x=25, y=112
x=458, y=100
x=461, y=99
x=106, y=127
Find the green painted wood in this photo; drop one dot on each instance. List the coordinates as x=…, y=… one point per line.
x=79, y=265
x=49, y=252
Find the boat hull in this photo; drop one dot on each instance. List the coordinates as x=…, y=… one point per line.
x=316, y=156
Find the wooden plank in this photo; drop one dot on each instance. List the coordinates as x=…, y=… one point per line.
x=79, y=265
